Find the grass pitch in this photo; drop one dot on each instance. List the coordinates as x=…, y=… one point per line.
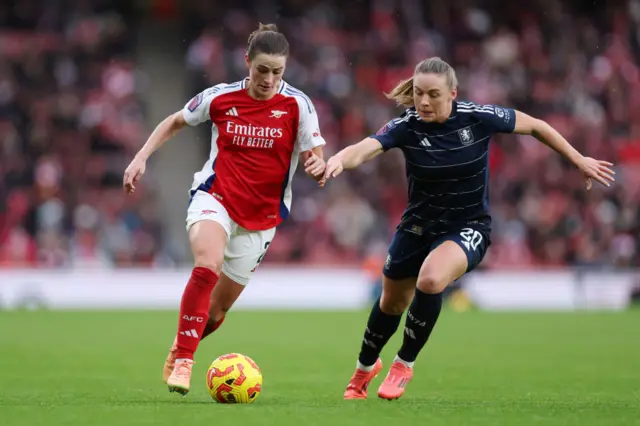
x=104, y=368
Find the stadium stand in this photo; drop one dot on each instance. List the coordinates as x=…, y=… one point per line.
x=71, y=117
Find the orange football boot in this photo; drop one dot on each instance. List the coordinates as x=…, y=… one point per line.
x=180, y=378
x=357, y=387
x=396, y=381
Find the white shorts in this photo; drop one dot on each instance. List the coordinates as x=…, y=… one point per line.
x=245, y=249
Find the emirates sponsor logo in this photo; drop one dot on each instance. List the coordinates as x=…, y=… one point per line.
x=251, y=136
x=250, y=130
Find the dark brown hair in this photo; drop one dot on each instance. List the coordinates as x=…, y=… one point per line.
x=267, y=39
x=403, y=92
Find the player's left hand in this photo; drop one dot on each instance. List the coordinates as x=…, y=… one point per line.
x=597, y=170
x=314, y=166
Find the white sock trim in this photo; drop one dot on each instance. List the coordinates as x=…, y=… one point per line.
x=366, y=368
x=402, y=361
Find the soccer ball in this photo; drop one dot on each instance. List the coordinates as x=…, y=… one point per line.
x=234, y=379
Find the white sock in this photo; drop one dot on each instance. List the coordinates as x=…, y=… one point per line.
x=184, y=359
x=401, y=361
x=366, y=368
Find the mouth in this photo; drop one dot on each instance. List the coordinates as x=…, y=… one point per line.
x=427, y=113
x=264, y=88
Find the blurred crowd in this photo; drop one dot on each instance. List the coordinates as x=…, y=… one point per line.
x=571, y=63
x=71, y=116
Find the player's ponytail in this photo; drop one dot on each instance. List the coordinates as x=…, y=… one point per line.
x=267, y=39
x=403, y=92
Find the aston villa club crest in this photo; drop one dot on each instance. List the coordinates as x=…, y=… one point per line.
x=466, y=136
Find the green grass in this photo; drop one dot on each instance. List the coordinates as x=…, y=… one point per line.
x=104, y=368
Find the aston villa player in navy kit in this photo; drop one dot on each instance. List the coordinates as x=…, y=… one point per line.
x=446, y=227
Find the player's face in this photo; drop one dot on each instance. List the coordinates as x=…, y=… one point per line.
x=432, y=97
x=265, y=74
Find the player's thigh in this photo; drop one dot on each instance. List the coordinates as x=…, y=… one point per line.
x=208, y=226
x=245, y=252
x=406, y=253
x=224, y=295
x=396, y=294
x=451, y=257
x=401, y=268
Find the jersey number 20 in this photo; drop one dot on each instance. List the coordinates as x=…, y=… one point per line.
x=471, y=238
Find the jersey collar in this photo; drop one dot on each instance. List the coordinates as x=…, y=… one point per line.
x=283, y=84
x=454, y=110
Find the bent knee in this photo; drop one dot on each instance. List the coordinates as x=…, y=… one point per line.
x=208, y=240
x=432, y=283
x=209, y=262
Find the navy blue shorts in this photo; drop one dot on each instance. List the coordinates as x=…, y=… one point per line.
x=411, y=246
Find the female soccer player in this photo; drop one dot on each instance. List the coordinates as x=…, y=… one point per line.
x=445, y=229
x=260, y=126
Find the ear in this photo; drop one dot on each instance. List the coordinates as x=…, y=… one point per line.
x=454, y=93
x=247, y=60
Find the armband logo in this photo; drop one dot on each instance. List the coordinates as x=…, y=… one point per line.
x=195, y=102
x=386, y=128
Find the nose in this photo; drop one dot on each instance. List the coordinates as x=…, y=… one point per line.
x=269, y=78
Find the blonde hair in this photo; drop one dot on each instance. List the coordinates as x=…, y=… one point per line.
x=267, y=39
x=403, y=92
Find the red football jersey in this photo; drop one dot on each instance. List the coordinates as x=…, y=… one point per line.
x=255, y=146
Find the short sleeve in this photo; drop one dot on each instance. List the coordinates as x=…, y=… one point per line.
x=309, y=135
x=197, y=110
x=391, y=135
x=497, y=119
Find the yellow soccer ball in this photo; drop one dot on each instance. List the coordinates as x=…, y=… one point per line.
x=234, y=379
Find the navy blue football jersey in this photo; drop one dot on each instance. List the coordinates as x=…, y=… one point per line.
x=447, y=165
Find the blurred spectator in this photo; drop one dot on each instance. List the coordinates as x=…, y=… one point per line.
x=70, y=117
x=571, y=63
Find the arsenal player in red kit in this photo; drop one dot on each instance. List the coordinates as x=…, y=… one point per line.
x=260, y=127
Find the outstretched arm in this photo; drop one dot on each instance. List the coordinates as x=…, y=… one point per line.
x=353, y=156
x=541, y=130
x=162, y=133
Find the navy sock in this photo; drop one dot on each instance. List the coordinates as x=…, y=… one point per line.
x=421, y=318
x=380, y=328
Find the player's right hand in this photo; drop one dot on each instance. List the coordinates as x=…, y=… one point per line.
x=334, y=167
x=133, y=174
